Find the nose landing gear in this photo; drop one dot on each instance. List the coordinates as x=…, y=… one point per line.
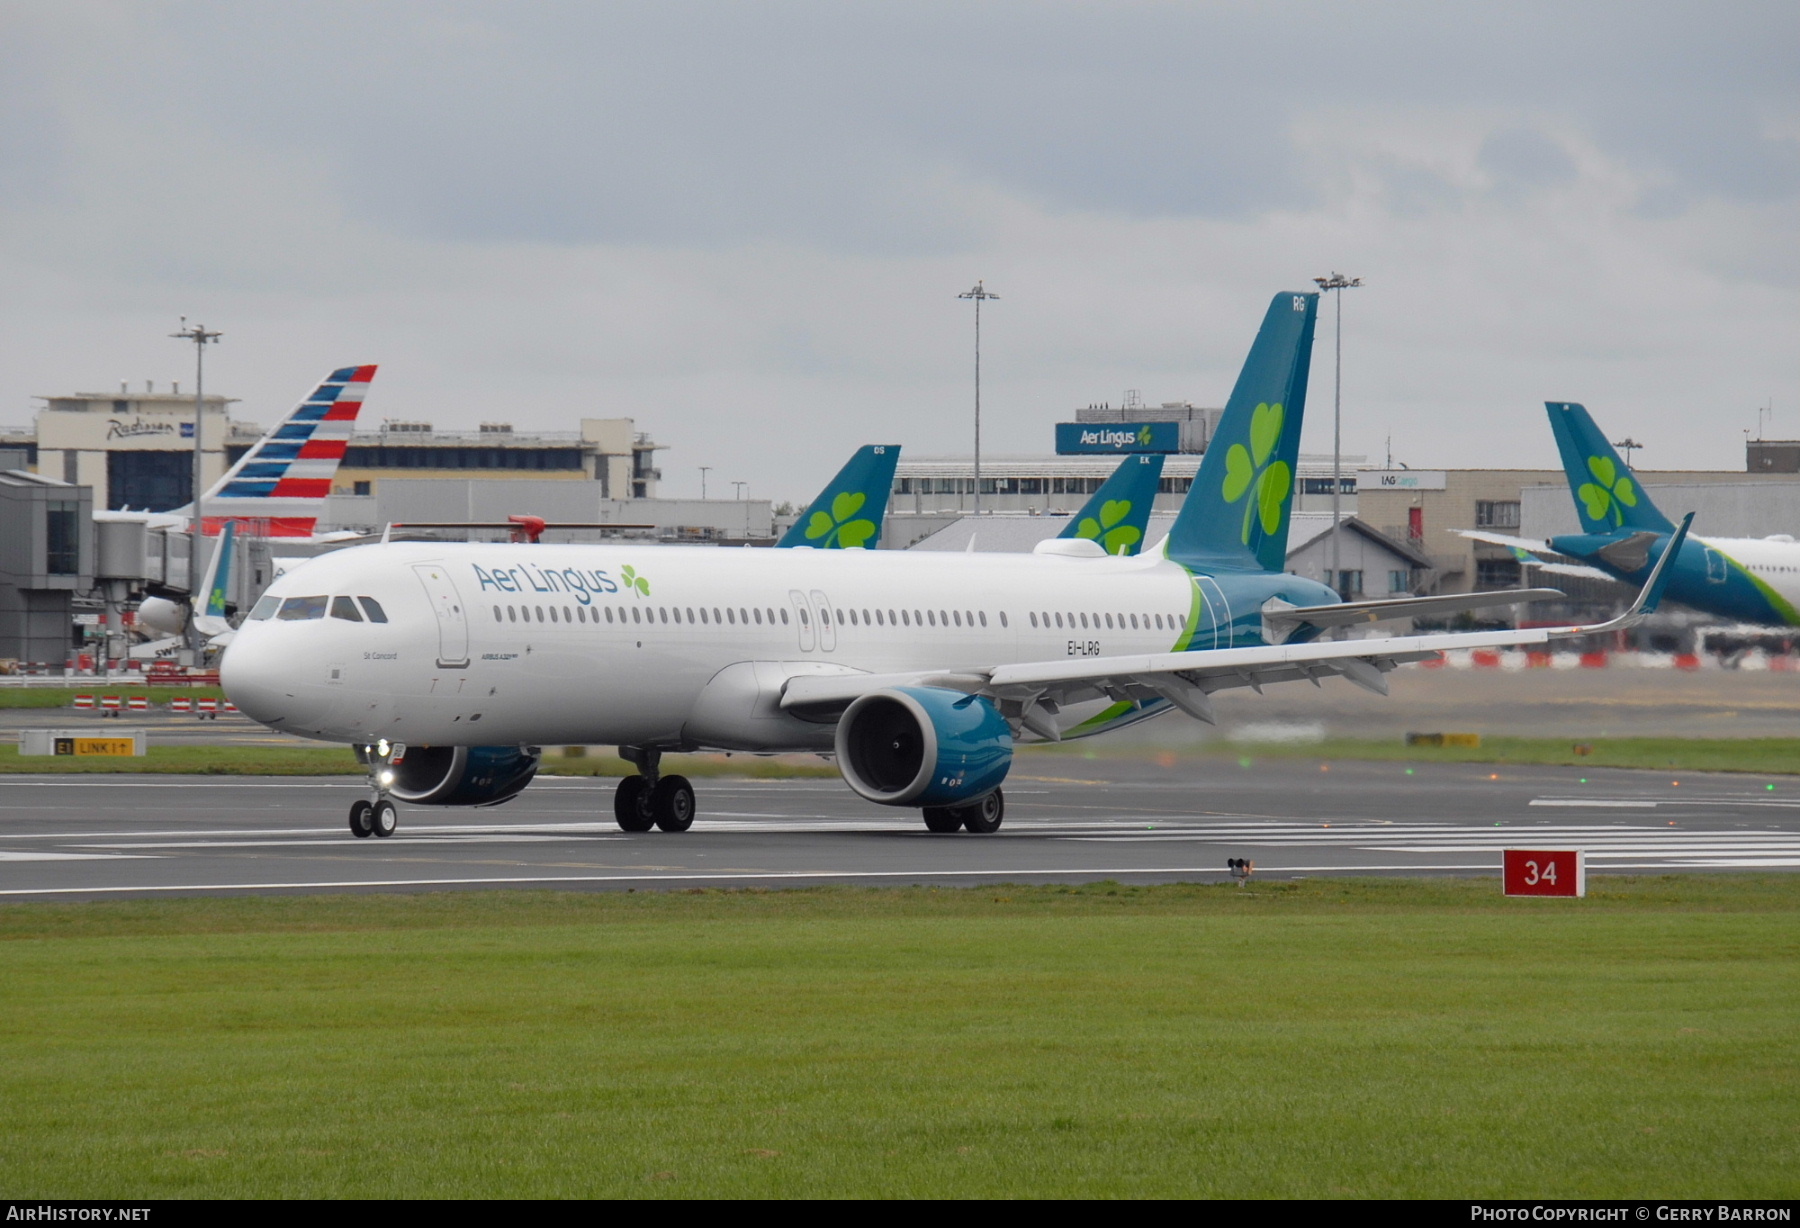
x=651, y=799
x=377, y=815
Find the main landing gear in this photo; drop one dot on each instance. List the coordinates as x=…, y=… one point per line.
x=981, y=816
x=376, y=815
x=651, y=799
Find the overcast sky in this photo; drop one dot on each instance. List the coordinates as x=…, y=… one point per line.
x=745, y=225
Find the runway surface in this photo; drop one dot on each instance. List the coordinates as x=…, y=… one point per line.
x=111, y=837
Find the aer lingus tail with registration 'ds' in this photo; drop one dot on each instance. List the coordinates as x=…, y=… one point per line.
x=448, y=664
x=848, y=513
x=1750, y=579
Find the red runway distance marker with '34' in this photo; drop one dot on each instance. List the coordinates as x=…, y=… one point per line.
x=1545, y=872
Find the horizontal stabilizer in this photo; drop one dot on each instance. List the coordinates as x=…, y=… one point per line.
x=1501, y=539
x=1576, y=570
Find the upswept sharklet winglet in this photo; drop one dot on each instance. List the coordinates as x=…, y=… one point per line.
x=1117, y=514
x=1236, y=516
x=849, y=512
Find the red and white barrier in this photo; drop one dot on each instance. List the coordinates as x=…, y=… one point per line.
x=181, y=703
x=85, y=702
x=138, y=703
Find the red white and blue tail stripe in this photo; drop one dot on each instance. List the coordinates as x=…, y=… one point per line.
x=284, y=479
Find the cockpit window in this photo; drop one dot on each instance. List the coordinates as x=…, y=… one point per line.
x=295, y=609
x=373, y=609
x=345, y=608
x=265, y=608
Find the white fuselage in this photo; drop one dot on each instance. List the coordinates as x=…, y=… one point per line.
x=676, y=646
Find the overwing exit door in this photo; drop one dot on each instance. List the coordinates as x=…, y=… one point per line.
x=452, y=620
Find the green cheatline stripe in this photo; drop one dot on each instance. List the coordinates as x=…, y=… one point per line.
x=1779, y=604
x=1193, y=619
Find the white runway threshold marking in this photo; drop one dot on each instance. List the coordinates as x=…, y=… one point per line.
x=1594, y=803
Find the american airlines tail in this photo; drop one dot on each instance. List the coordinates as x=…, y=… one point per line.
x=284, y=479
x=1236, y=516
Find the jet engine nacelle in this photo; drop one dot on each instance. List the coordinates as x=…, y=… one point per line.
x=161, y=614
x=460, y=775
x=923, y=746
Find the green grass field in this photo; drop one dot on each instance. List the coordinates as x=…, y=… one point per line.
x=1318, y=1038
x=1778, y=756
x=64, y=697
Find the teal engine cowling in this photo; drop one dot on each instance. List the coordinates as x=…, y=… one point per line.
x=461, y=775
x=923, y=746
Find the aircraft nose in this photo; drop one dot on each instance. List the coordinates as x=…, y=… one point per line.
x=267, y=684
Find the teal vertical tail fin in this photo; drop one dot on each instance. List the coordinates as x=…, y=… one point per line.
x=849, y=511
x=1236, y=515
x=1118, y=513
x=1607, y=494
x=217, y=582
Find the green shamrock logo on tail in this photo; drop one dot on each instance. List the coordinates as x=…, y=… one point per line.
x=1615, y=492
x=635, y=582
x=1114, y=537
x=1248, y=469
x=836, y=527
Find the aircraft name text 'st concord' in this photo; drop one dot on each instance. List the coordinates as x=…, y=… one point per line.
x=448, y=664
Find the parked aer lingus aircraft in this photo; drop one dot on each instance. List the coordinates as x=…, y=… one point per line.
x=1750, y=579
x=448, y=664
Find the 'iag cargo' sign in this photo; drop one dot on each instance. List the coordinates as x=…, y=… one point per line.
x=1078, y=438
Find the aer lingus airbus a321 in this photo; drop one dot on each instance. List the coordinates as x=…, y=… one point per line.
x=448, y=664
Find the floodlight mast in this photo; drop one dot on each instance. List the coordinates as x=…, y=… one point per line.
x=979, y=294
x=1337, y=281
x=197, y=526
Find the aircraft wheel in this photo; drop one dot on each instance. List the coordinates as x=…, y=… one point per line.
x=942, y=820
x=386, y=818
x=362, y=819
x=672, y=802
x=631, y=805
x=983, y=817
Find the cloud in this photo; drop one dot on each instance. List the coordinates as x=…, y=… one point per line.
x=746, y=227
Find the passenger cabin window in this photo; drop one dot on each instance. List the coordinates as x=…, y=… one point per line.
x=297, y=609
x=345, y=608
x=265, y=608
x=373, y=609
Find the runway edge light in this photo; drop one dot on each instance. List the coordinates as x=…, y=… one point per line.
x=1554, y=872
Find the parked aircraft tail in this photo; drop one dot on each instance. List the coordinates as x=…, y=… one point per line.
x=849, y=511
x=1236, y=516
x=284, y=479
x=1607, y=494
x=1118, y=513
x=210, y=601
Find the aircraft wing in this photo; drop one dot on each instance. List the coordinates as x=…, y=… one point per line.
x=1029, y=692
x=1281, y=618
x=1574, y=569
